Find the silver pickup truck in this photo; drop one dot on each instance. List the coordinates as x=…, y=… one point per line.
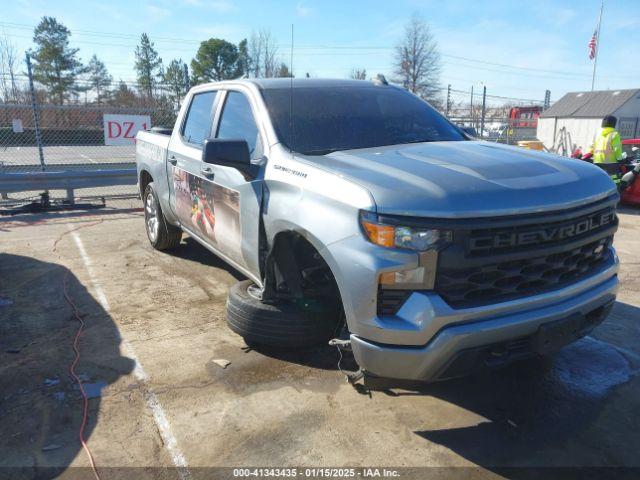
x=353, y=206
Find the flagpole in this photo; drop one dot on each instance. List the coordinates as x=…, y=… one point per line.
x=595, y=58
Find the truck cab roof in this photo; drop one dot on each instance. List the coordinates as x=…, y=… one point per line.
x=279, y=83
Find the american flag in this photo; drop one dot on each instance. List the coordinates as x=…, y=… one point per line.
x=593, y=44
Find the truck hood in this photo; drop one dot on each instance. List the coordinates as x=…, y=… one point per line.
x=467, y=178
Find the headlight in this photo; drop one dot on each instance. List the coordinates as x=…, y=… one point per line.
x=398, y=236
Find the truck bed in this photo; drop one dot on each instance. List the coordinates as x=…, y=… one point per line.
x=151, y=147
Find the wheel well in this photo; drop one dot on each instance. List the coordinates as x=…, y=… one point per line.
x=145, y=179
x=295, y=269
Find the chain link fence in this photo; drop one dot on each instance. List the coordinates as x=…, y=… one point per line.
x=495, y=118
x=43, y=137
x=505, y=130
x=73, y=137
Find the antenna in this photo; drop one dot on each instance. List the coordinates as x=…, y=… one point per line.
x=291, y=96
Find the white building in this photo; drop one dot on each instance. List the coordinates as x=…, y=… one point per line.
x=574, y=120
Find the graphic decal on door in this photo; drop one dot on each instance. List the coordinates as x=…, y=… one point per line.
x=210, y=210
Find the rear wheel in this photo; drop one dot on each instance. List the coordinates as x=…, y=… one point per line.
x=162, y=235
x=291, y=324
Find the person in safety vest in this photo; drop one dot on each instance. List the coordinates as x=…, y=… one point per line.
x=607, y=147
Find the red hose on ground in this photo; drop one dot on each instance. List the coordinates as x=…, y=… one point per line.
x=72, y=367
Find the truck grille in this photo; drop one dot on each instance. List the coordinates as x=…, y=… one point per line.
x=512, y=279
x=505, y=258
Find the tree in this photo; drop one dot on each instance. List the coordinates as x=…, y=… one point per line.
x=55, y=65
x=99, y=78
x=216, y=60
x=123, y=96
x=148, y=66
x=262, y=53
x=358, y=74
x=283, y=71
x=175, y=81
x=244, y=61
x=417, y=60
x=8, y=59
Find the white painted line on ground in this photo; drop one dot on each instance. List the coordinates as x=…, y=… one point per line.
x=86, y=157
x=159, y=415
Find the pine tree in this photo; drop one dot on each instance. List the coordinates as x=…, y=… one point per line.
x=55, y=65
x=148, y=66
x=99, y=78
x=175, y=81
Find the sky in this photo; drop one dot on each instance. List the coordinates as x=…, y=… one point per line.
x=515, y=48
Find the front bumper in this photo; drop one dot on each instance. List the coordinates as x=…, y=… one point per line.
x=479, y=329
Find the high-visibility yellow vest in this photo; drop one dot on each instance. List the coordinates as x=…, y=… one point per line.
x=607, y=147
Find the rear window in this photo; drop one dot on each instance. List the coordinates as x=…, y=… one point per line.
x=327, y=119
x=197, y=125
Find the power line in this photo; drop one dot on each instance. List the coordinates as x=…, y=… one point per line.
x=93, y=33
x=358, y=48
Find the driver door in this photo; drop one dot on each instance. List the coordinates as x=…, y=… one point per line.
x=218, y=205
x=237, y=198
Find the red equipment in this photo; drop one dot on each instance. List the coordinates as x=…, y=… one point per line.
x=524, y=116
x=631, y=196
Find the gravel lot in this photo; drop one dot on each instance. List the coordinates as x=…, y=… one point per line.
x=155, y=326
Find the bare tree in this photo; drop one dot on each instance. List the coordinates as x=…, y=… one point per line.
x=8, y=63
x=417, y=60
x=263, y=53
x=358, y=74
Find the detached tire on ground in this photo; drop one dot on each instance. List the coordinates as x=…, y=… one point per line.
x=283, y=325
x=162, y=235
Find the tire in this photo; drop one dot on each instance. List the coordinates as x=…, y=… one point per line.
x=284, y=325
x=161, y=234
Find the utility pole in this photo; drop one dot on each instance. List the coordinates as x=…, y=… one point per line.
x=595, y=57
x=484, y=104
x=448, y=101
x=473, y=120
x=36, y=112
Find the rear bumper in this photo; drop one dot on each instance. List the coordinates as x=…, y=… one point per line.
x=474, y=343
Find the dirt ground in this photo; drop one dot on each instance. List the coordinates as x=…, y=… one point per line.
x=155, y=327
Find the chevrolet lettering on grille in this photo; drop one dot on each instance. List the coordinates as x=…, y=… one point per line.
x=542, y=235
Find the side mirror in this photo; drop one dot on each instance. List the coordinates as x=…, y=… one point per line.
x=227, y=153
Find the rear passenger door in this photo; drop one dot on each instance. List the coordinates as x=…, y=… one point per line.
x=184, y=163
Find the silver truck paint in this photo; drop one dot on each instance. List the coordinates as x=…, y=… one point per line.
x=320, y=198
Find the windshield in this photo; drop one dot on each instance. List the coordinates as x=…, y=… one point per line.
x=327, y=119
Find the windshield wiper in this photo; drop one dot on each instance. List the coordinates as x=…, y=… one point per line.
x=325, y=151
x=421, y=141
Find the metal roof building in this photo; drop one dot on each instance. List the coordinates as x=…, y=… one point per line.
x=574, y=120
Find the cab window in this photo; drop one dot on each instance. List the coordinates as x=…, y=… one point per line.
x=237, y=123
x=197, y=125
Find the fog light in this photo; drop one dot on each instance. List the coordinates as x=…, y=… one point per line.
x=422, y=277
x=402, y=277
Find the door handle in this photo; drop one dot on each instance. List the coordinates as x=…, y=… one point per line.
x=207, y=171
x=172, y=159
